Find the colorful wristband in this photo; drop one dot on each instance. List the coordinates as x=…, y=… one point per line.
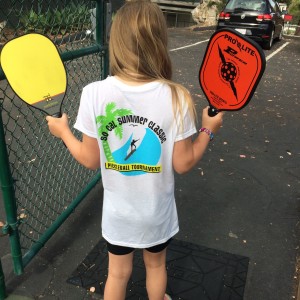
x=211, y=135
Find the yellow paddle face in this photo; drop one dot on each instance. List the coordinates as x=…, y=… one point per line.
x=35, y=71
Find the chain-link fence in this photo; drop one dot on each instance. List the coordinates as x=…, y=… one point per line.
x=41, y=183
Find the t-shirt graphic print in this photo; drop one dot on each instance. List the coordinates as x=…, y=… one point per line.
x=140, y=149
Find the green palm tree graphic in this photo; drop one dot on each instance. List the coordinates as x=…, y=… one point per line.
x=112, y=113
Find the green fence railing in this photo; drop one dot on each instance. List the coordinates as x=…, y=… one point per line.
x=41, y=183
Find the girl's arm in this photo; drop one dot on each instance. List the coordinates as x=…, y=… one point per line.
x=187, y=153
x=86, y=152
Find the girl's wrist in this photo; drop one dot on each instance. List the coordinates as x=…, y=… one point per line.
x=65, y=133
x=208, y=132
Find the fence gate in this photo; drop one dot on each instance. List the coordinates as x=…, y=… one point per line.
x=41, y=183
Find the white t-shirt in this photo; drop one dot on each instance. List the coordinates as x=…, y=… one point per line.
x=136, y=132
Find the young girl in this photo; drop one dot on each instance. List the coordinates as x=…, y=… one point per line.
x=137, y=125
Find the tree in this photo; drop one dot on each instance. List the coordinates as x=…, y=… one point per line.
x=110, y=121
x=294, y=9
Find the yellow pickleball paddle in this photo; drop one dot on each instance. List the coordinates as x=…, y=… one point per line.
x=34, y=69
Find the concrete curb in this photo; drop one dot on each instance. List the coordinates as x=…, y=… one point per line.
x=204, y=28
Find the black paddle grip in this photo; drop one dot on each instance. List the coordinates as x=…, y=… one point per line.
x=212, y=111
x=57, y=115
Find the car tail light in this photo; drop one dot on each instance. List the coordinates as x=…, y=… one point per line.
x=288, y=17
x=264, y=17
x=224, y=16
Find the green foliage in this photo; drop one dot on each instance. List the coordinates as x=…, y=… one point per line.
x=31, y=21
x=294, y=9
x=288, y=2
x=70, y=18
x=221, y=4
x=211, y=3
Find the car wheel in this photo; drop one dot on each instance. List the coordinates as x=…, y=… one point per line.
x=268, y=44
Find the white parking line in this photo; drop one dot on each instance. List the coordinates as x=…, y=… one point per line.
x=189, y=45
x=275, y=52
x=204, y=41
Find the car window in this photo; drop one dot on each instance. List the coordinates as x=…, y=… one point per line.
x=273, y=5
x=256, y=5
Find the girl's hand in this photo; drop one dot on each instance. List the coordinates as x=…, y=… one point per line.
x=212, y=123
x=58, y=126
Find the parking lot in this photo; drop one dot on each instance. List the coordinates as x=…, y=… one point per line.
x=242, y=198
x=247, y=187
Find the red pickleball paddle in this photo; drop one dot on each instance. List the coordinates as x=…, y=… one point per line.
x=231, y=70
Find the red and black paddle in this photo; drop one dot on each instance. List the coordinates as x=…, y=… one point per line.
x=231, y=70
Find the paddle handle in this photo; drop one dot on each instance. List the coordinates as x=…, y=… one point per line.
x=212, y=111
x=59, y=115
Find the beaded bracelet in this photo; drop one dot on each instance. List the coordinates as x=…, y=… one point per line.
x=211, y=135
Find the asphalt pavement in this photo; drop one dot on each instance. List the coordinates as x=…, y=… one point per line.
x=242, y=198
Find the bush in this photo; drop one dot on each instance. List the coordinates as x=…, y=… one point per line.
x=294, y=9
x=71, y=18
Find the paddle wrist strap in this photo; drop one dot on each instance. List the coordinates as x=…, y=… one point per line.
x=207, y=131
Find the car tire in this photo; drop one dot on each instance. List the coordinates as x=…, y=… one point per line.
x=268, y=44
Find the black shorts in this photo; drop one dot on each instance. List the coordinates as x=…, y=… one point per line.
x=120, y=250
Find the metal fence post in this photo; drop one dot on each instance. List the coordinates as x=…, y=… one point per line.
x=9, y=199
x=2, y=283
x=101, y=32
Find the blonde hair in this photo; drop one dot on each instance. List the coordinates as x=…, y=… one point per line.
x=138, y=49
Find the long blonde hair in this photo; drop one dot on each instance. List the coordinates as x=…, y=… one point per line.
x=138, y=49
